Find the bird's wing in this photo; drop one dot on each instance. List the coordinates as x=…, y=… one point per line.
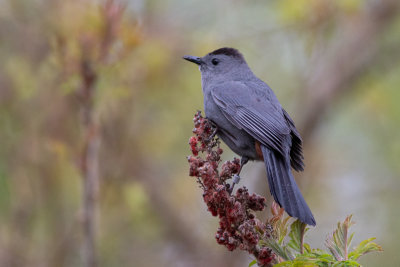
x=256, y=111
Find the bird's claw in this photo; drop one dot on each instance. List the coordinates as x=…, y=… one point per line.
x=236, y=179
x=212, y=134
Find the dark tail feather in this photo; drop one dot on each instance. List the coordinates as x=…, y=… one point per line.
x=283, y=187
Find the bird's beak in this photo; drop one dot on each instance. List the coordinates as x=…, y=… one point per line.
x=193, y=59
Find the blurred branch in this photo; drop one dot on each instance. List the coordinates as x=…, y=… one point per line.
x=111, y=14
x=89, y=164
x=341, y=63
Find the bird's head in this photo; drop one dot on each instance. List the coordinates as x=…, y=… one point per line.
x=221, y=64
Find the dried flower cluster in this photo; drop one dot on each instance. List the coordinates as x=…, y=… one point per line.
x=238, y=226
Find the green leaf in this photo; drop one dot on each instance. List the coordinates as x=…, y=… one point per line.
x=307, y=247
x=310, y=260
x=363, y=248
x=350, y=239
x=283, y=229
x=278, y=223
x=347, y=263
x=281, y=251
x=296, y=263
x=252, y=263
x=284, y=264
x=297, y=231
x=339, y=241
x=319, y=257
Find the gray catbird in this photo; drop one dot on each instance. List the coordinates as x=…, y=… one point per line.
x=252, y=122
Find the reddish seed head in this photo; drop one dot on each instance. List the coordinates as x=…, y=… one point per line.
x=265, y=256
x=237, y=222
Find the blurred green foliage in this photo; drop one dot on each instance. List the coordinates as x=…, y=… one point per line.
x=144, y=99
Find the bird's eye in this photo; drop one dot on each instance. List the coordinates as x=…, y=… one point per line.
x=215, y=61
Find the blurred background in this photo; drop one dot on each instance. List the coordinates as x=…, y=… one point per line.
x=96, y=109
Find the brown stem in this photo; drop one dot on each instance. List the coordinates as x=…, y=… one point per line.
x=112, y=13
x=90, y=195
x=89, y=165
x=302, y=233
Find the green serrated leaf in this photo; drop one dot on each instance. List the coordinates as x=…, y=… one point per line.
x=348, y=263
x=297, y=231
x=252, y=263
x=279, y=250
x=284, y=264
x=338, y=242
x=283, y=229
x=296, y=263
x=307, y=248
x=323, y=255
x=363, y=248
x=350, y=239
x=321, y=258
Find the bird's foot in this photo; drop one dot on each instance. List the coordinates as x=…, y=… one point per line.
x=214, y=132
x=212, y=135
x=236, y=179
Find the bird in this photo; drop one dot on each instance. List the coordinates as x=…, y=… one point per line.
x=250, y=120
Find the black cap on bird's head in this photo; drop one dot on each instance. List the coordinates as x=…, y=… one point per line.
x=225, y=51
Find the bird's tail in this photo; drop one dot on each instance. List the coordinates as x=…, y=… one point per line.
x=283, y=187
